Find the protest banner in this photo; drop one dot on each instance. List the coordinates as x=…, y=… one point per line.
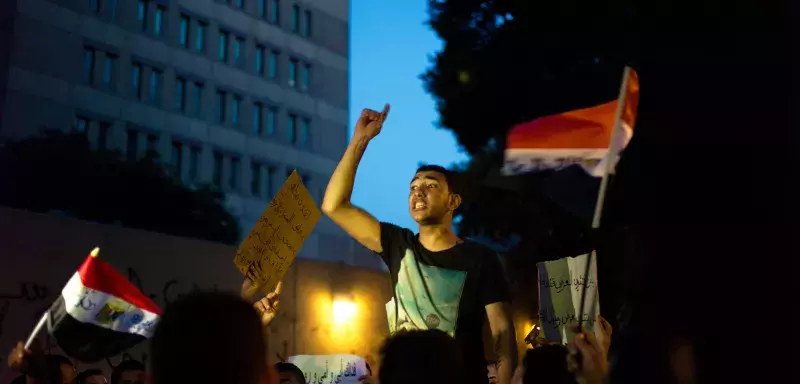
x=561, y=286
x=333, y=369
x=271, y=246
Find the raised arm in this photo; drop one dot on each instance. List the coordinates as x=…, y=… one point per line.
x=336, y=204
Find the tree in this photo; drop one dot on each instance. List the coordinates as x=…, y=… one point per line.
x=59, y=172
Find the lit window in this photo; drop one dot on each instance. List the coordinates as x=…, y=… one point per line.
x=292, y=73
x=238, y=45
x=262, y=9
x=305, y=126
x=235, y=110
x=200, y=36
x=158, y=23
x=239, y=3
x=141, y=14
x=272, y=120
x=183, y=32
x=295, y=18
x=223, y=46
x=275, y=12
x=273, y=65
x=307, y=23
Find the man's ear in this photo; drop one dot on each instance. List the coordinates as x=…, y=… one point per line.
x=454, y=201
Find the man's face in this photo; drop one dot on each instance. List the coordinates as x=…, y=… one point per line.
x=492, y=368
x=290, y=378
x=132, y=377
x=429, y=199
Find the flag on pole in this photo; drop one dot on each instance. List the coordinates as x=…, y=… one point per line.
x=100, y=313
x=580, y=137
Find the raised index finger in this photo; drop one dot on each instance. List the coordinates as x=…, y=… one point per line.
x=278, y=288
x=385, y=112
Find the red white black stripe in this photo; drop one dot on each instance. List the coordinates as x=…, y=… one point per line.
x=100, y=313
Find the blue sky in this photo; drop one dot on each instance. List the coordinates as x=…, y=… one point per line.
x=389, y=48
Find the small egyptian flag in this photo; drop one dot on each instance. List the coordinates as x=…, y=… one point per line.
x=100, y=313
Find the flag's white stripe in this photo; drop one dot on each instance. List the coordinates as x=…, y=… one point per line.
x=103, y=310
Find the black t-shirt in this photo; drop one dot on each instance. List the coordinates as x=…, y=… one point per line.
x=446, y=290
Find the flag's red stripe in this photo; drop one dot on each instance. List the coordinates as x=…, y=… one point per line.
x=101, y=276
x=583, y=128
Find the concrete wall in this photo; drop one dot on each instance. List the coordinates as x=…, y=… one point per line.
x=38, y=253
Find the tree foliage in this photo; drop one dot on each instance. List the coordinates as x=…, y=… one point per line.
x=59, y=172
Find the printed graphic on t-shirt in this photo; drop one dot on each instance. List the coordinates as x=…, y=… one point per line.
x=428, y=297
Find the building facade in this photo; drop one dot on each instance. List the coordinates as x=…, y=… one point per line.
x=236, y=93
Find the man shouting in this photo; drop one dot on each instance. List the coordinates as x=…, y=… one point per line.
x=440, y=281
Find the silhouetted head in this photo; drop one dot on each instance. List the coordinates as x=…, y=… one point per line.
x=491, y=369
x=91, y=376
x=545, y=364
x=290, y=374
x=421, y=357
x=209, y=337
x=433, y=195
x=129, y=372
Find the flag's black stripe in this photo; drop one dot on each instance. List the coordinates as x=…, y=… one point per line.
x=85, y=341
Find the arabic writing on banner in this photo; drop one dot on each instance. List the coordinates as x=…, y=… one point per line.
x=561, y=284
x=330, y=369
x=272, y=244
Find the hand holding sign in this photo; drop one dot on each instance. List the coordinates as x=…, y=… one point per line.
x=272, y=244
x=267, y=307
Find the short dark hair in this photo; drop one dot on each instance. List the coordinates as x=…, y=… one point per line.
x=87, y=374
x=547, y=364
x=282, y=367
x=125, y=366
x=450, y=177
x=407, y=354
x=233, y=352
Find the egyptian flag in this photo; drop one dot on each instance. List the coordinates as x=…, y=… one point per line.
x=582, y=137
x=100, y=313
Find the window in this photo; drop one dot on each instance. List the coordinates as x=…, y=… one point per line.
x=194, y=161
x=94, y=5
x=255, y=179
x=141, y=14
x=295, y=18
x=219, y=106
x=102, y=135
x=239, y=3
x=272, y=120
x=152, y=144
x=132, y=144
x=259, y=67
x=216, y=173
x=238, y=45
x=109, y=69
x=258, y=110
x=305, y=126
x=292, y=72
x=197, y=99
x=177, y=158
x=305, y=76
x=155, y=86
x=112, y=10
x=81, y=124
x=88, y=64
x=273, y=65
x=200, y=36
x=233, y=178
x=183, y=31
x=235, y=110
x=136, y=80
x=180, y=94
x=307, y=23
x=223, y=46
x=158, y=22
x=262, y=9
x=270, y=173
x=292, y=129
x=275, y=12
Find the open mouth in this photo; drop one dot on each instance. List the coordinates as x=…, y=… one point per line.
x=419, y=206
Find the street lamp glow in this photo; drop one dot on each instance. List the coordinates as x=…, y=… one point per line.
x=343, y=311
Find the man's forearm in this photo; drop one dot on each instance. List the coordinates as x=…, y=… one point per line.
x=506, y=351
x=340, y=186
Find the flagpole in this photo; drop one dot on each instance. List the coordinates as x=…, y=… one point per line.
x=46, y=316
x=611, y=156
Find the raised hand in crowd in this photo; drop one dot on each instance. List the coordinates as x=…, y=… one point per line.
x=267, y=306
x=370, y=122
x=588, y=353
x=20, y=358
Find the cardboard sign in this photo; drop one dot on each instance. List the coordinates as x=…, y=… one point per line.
x=561, y=284
x=271, y=246
x=330, y=369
